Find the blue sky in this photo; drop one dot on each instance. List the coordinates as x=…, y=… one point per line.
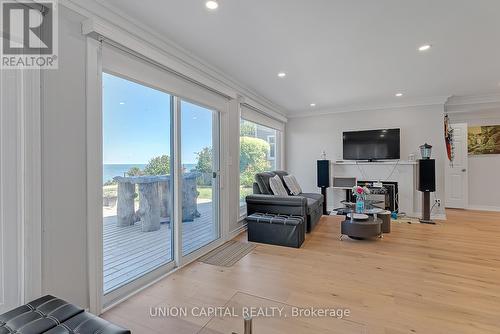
x=136, y=124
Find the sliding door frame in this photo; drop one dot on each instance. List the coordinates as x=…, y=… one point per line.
x=94, y=175
x=119, y=294
x=98, y=302
x=182, y=259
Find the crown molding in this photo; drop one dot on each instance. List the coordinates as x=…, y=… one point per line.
x=403, y=104
x=472, y=103
x=97, y=11
x=473, y=99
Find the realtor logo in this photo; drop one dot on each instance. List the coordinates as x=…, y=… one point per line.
x=29, y=38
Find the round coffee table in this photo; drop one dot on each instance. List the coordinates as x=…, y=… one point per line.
x=361, y=229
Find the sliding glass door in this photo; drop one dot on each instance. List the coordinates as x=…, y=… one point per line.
x=137, y=189
x=160, y=172
x=200, y=176
x=145, y=231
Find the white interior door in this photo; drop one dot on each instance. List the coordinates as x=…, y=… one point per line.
x=456, y=182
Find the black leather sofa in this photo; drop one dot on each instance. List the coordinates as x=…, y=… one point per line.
x=308, y=205
x=52, y=315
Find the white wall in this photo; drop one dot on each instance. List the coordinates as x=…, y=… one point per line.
x=64, y=216
x=307, y=137
x=483, y=169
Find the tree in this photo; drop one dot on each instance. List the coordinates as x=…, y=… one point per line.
x=204, y=163
x=253, y=159
x=135, y=171
x=204, y=166
x=158, y=166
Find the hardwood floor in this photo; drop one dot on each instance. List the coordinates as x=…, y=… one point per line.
x=442, y=278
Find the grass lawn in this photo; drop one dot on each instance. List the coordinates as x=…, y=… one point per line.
x=205, y=192
x=110, y=190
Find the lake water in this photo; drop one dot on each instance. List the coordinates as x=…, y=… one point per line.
x=109, y=171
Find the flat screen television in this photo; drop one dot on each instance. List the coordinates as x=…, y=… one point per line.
x=372, y=145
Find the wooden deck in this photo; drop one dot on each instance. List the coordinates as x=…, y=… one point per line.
x=129, y=253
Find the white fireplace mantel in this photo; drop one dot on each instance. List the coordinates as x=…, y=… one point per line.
x=388, y=162
x=402, y=172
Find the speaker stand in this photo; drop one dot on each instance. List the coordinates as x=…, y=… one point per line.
x=426, y=209
x=323, y=192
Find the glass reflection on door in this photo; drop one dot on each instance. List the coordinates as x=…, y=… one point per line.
x=137, y=196
x=200, y=177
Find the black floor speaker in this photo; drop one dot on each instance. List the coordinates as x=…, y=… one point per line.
x=426, y=178
x=324, y=180
x=323, y=173
x=426, y=183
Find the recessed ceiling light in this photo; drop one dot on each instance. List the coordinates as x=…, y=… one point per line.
x=281, y=74
x=122, y=103
x=313, y=105
x=399, y=94
x=212, y=4
x=424, y=47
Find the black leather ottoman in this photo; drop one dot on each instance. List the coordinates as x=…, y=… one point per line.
x=281, y=230
x=49, y=314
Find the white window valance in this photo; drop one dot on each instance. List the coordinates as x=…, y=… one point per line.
x=252, y=114
x=122, y=63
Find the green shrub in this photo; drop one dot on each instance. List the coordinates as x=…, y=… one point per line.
x=158, y=166
x=135, y=171
x=253, y=159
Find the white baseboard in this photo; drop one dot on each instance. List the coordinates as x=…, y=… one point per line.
x=483, y=208
x=236, y=232
x=434, y=216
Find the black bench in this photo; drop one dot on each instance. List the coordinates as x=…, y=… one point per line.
x=273, y=229
x=52, y=315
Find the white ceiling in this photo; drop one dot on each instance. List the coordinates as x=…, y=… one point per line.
x=337, y=53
